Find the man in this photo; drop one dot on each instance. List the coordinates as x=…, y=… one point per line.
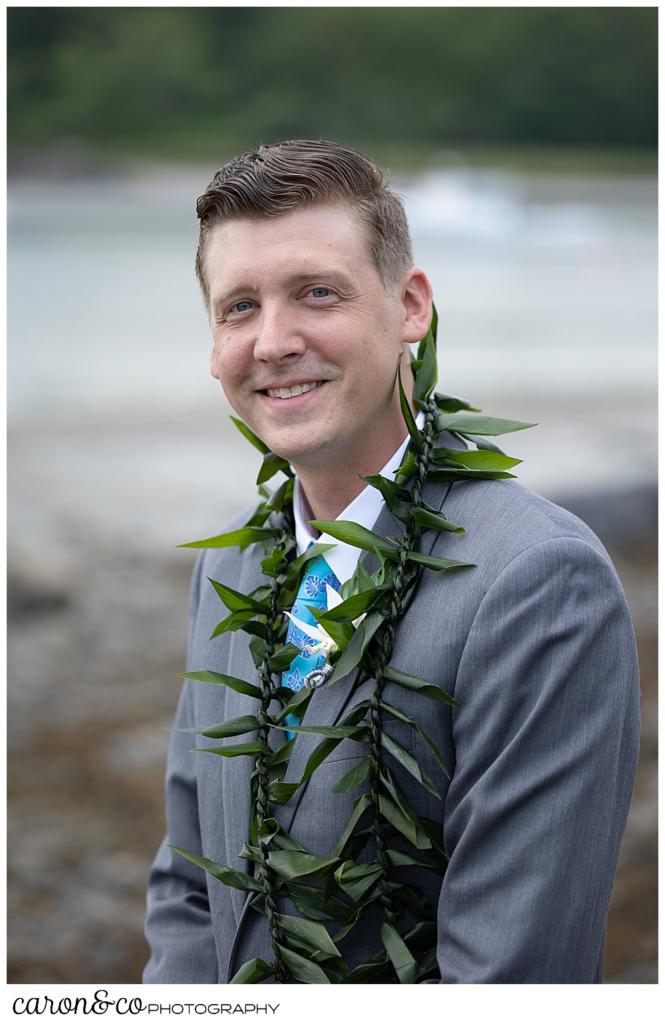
x=306, y=269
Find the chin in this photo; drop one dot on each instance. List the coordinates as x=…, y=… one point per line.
x=307, y=451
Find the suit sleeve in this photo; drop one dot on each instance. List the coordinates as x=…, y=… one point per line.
x=178, y=924
x=546, y=747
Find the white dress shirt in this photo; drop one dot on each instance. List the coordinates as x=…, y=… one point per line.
x=364, y=509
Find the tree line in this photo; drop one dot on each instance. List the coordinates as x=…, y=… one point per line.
x=191, y=81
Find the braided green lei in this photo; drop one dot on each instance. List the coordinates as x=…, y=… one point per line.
x=332, y=893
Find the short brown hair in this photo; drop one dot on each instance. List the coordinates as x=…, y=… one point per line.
x=285, y=176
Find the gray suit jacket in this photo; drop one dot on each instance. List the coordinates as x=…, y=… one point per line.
x=537, y=645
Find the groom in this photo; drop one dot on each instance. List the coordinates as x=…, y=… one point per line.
x=306, y=269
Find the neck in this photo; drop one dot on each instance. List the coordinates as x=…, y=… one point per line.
x=330, y=489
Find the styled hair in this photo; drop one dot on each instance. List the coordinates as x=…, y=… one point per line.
x=284, y=176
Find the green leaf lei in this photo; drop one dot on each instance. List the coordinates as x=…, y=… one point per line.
x=363, y=629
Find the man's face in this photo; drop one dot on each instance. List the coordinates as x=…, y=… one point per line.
x=297, y=303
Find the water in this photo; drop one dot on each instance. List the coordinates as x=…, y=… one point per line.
x=546, y=289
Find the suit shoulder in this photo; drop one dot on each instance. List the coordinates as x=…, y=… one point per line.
x=503, y=519
x=223, y=562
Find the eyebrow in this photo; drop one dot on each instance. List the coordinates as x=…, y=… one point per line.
x=334, y=276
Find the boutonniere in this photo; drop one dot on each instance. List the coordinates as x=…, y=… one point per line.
x=325, y=644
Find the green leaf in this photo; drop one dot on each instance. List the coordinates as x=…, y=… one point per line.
x=268, y=830
x=434, y=831
x=398, y=795
x=311, y=932
x=360, y=806
x=482, y=442
x=340, y=732
x=234, y=727
x=409, y=682
x=398, y=820
x=434, y=323
x=341, y=632
x=231, y=623
x=317, y=757
x=354, y=777
x=315, y=904
x=409, y=762
x=439, y=564
x=353, y=606
x=236, y=879
x=473, y=424
x=399, y=954
x=326, y=746
x=272, y=464
x=237, y=602
x=285, y=841
x=494, y=462
x=397, y=713
x=233, y=750
x=434, y=521
x=356, y=647
x=411, y=425
x=235, y=538
x=406, y=469
x=449, y=474
x=281, y=661
x=257, y=651
x=241, y=620
x=281, y=496
x=355, y=535
x=357, y=879
x=281, y=755
x=449, y=403
x=250, y=435
x=361, y=580
x=301, y=969
x=219, y=679
x=252, y=853
x=411, y=898
x=364, y=973
x=293, y=864
x=399, y=859
x=393, y=495
x=427, y=374
x=295, y=567
x=253, y=971
x=301, y=697
x=281, y=792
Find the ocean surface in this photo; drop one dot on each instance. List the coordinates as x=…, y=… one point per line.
x=546, y=290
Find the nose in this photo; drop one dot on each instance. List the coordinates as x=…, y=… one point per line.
x=277, y=338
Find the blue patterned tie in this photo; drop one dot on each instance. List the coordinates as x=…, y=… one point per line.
x=312, y=592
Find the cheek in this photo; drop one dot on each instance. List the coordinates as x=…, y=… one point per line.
x=227, y=365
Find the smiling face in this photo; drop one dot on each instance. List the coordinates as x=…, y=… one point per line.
x=306, y=338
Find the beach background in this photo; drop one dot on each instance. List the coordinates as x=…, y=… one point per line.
x=542, y=253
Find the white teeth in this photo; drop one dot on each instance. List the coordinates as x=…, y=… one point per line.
x=297, y=389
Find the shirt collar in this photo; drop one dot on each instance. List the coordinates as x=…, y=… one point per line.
x=364, y=509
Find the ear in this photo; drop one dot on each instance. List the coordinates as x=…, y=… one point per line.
x=416, y=297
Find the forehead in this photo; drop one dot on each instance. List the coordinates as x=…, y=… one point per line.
x=322, y=236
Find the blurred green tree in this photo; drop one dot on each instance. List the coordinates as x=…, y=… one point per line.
x=192, y=81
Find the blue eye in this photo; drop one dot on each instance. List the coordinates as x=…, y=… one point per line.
x=320, y=293
x=241, y=307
